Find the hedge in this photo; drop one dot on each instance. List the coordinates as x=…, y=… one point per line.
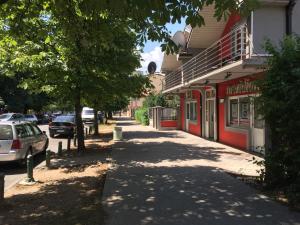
x=141, y=115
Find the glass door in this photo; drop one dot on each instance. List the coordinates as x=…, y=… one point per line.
x=258, y=131
x=211, y=118
x=187, y=116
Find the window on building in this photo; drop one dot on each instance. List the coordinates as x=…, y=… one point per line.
x=244, y=111
x=239, y=112
x=234, y=116
x=193, y=111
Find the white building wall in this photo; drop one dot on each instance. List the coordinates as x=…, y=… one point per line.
x=296, y=18
x=269, y=22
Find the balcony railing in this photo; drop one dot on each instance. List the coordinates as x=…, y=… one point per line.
x=231, y=48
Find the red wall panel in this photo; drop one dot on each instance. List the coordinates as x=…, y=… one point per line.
x=168, y=123
x=196, y=128
x=233, y=19
x=182, y=112
x=235, y=139
x=225, y=51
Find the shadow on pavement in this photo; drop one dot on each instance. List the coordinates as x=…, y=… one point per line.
x=10, y=168
x=79, y=203
x=188, y=195
x=155, y=182
x=155, y=152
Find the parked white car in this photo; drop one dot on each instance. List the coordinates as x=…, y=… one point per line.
x=87, y=115
x=19, y=139
x=31, y=118
x=12, y=117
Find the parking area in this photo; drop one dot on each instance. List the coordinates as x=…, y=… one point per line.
x=14, y=173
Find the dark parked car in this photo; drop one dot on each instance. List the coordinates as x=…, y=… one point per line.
x=43, y=118
x=64, y=125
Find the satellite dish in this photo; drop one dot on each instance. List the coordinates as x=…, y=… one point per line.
x=151, y=67
x=179, y=39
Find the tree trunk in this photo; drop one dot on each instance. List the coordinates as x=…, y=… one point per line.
x=80, y=132
x=110, y=115
x=106, y=117
x=96, y=124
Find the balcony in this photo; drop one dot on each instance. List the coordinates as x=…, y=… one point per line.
x=225, y=53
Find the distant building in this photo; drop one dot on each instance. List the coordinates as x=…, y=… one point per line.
x=157, y=80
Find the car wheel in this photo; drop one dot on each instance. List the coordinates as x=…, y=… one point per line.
x=52, y=135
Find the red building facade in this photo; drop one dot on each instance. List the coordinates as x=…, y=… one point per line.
x=216, y=76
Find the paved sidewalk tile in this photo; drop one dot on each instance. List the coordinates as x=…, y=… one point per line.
x=172, y=177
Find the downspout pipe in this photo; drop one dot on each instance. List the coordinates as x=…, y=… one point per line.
x=217, y=112
x=289, y=15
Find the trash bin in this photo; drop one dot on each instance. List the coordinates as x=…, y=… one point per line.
x=118, y=134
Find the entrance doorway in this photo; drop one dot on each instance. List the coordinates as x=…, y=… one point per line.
x=257, y=130
x=187, y=116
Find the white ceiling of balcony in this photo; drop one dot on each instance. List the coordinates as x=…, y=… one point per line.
x=206, y=35
x=170, y=63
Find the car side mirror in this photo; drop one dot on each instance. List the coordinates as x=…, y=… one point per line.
x=44, y=132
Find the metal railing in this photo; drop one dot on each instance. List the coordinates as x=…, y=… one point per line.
x=231, y=48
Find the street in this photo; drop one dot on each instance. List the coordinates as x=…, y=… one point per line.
x=13, y=172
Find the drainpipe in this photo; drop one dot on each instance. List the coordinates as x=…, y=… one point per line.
x=289, y=15
x=217, y=111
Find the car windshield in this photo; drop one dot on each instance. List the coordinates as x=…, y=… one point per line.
x=64, y=119
x=29, y=116
x=88, y=111
x=6, y=132
x=5, y=116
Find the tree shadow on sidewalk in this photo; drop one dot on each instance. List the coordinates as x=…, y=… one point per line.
x=186, y=195
x=155, y=152
x=69, y=201
x=128, y=135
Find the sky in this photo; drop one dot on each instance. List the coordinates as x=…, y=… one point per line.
x=152, y=50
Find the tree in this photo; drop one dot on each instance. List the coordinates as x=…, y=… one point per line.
x=153, y=100
x=147, y=18
x=114, y=94
x=280, y=106
x=67, y=62
x=12, y=93
x=66, y=43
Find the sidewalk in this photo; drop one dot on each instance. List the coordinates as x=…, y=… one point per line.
x=172, y=177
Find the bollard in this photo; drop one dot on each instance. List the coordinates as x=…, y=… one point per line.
x=29, y=169
x=48, y=155
x=59, y=150
x=69, y=144
x=75, y=140
x=117, y=134
x=1, y=188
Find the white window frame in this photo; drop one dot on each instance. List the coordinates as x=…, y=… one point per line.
x=238, y=108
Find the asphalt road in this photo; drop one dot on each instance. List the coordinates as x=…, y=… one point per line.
x=14, y=173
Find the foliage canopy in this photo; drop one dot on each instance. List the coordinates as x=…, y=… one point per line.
x=280, y=105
